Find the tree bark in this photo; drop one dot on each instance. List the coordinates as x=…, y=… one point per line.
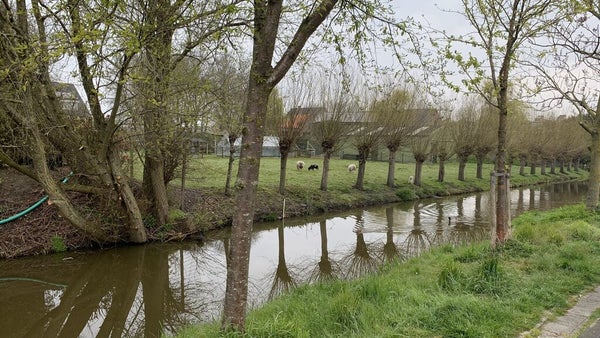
x=543, y=167
x=418, y=170
x=247, y=181
x=263, y=78
x=325, y=173
x=479, y=166
x=462, y=163
x=282, y=171
x=55, y=194
x=441, y=168
x=137, y=231
x=522, y=161
x=391, y=168
x=232, y=150
x=362, y=163
x=591, y=200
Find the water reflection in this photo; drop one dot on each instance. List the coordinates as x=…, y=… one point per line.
x=146, y=290
x=282, y=278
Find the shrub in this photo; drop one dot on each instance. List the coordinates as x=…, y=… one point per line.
x=58, y=244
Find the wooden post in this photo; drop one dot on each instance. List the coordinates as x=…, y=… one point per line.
x=508, y=206
x=493, y=207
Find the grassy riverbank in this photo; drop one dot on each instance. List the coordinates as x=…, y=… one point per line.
x=467, y=291
x=303, y=196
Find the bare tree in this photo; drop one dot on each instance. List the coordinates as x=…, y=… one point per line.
x=227, y=80
x=569, y=68
x=420, y=145
x=398, y=115
x=501, y=29
x=291, y=127
x=442, y=146
x=486, y=124
x=333, y=123
x=463, y=134
x=366, y=137
x=518, y=136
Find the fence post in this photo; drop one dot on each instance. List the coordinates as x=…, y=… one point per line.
x=493, y=207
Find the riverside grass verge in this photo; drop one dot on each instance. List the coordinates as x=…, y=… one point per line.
x=450, y=291
x=303, y=197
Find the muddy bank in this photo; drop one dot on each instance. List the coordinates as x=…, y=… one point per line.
x=44, y=231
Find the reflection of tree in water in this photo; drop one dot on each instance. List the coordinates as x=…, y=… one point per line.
x=359, y=262
x=119, y=293
x=520, y=205
x=417, y=240
x=282, y=279
x=438, y=236
x=326, y=270
x=390, y=249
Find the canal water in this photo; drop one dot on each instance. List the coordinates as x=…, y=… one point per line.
x=150, y=289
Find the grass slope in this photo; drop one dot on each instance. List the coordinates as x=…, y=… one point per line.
x=467, y=291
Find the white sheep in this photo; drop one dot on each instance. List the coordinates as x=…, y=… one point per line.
x=299, y=165
x=411, y=179
x=351, y=167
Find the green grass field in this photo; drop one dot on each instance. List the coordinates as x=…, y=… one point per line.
x=210, y=172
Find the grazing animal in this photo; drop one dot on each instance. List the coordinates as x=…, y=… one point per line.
x=299, y=165
x=313, y=167
x=411, y=179
x=351, y=167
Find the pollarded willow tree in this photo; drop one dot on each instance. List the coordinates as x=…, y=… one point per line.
x=462, y=133
x=290, y=127
x=486, y=125
x=227, y=85
x=331, y=123
x=501, y=29
x=442, y=146
x=397, y=113
x=366, y=138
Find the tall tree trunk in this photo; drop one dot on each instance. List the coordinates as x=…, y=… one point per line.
x=232, y=150
x=502, y=202
x=479, y=166
x=136, y=229
x=362, y=163
x=325, y=174
x=418, y=169
x=462, y=164
x=522, y=161
x=262, y=79
x=55, y=194
x=247, y=181
x=561, y=168
x=154, y=171
x=282, y=171
x=157, y=121
x=391, y=168
x=591, y=200
x=441, y=168
x=543, y=167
